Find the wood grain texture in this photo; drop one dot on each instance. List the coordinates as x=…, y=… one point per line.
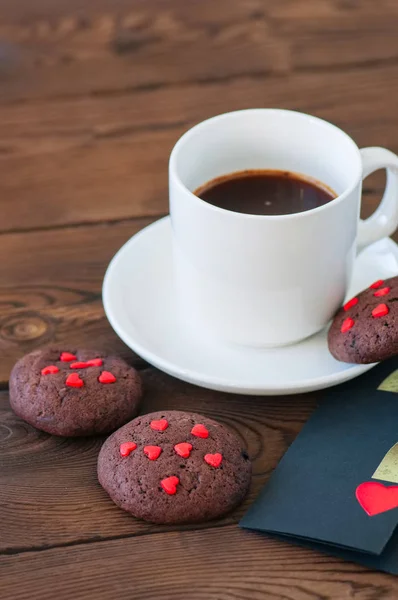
x=43, y=477
x=100, y=47
x=50, y=290
x=82, y=153
x=214, y=564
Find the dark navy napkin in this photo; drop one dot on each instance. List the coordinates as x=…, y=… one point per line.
x=331, y=490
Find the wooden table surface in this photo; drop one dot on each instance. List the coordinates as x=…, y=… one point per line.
x=93, y=95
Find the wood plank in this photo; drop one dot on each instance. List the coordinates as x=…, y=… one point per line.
x=214, y=564
x=62, y=48
x=93, y=159
x=43, y=477
x=50, y=290
x=103, y=50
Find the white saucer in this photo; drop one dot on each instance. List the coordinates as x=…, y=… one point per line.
x=139, y=302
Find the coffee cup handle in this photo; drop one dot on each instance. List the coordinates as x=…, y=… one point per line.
x=384, y=220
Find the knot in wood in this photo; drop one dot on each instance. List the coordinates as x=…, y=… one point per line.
x=24, y=327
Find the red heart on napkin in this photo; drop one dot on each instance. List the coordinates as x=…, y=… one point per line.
x=106, y=377
x=152, y=452
x=376, y=498
x=183, y=449
x=170, y=484
x=214, y=460
x=159, y=425
x=73, y=380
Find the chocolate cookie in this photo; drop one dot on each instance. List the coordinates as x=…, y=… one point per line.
x=71, y=392
x=365, y=330
x=174, y=467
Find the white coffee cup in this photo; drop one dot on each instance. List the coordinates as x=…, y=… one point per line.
x=262, y=280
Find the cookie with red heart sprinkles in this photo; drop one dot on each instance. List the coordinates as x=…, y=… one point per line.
x=70, y=392
x=365, y=329
x=174, y=475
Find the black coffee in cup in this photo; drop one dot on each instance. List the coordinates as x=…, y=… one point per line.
x=265, y=192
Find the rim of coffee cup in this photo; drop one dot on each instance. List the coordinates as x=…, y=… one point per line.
x=179, y=145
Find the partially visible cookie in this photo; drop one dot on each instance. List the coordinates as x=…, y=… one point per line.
x=365, y=329
x=174, y=467
x=72, y=392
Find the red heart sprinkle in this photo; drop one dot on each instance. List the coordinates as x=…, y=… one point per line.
x=214, y=460
x=380, y=311
x=183, y=449
x=67, y=357
x=376, y=284
x=73, y=380
x=200, y=431
x=126, y=448
x=95, y=362
x=170, y=484
x=376, y=498
x=78, y=365
x=350, y=303
x=152, y=452
x=50, y=370
x=347, y=324
x=382, y=292
x=106, y=377
x=160, y=425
